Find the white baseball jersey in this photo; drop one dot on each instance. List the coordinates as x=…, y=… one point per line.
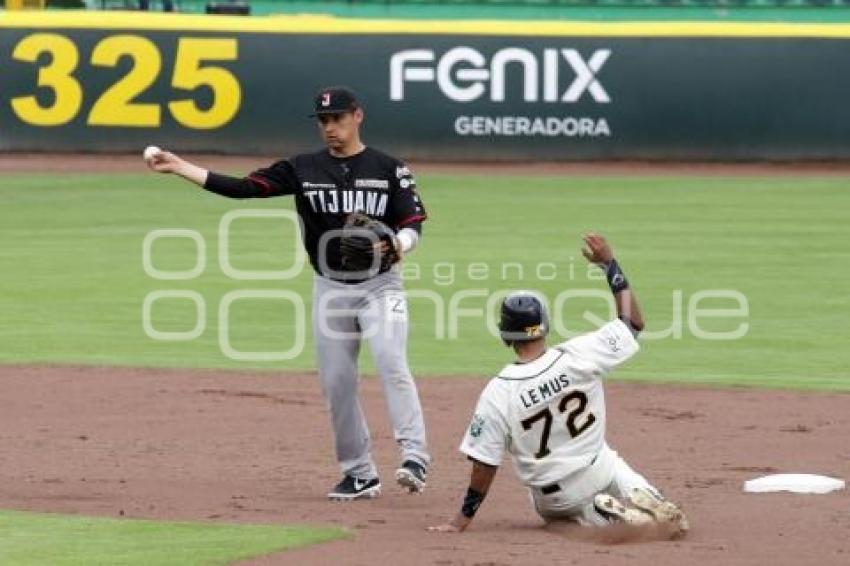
x=549, y=413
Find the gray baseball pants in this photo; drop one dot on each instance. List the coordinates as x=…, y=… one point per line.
x=375, y=311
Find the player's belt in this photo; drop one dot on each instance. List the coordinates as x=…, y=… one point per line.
x=555, y=487
x=348, y=281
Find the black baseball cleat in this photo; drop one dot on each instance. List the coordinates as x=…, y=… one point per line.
x=351, y=488
x=412, y=476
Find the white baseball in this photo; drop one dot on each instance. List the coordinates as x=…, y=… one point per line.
x=150, y=152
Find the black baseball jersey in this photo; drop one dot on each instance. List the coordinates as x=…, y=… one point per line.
x=327, y=189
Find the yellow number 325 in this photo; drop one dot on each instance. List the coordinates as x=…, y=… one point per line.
x=116, y=106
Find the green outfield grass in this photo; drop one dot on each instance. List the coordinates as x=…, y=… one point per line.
x=63, y=540
x=73, y=282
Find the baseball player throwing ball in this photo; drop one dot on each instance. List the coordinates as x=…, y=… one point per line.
x=360, y=212
x=547, y=409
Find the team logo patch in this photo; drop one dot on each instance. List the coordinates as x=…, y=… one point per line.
x=402, y=172
x=534, y=331
x=326, y=99
x=477, y=426
x=615, y=341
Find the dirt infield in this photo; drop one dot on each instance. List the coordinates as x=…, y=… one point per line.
x=256, y=447
x=123, y=163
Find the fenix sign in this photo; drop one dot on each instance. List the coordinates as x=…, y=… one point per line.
x=464, y=74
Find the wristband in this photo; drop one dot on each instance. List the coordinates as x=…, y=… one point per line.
x=407, y=238
x=471, y=503
x=615, y=276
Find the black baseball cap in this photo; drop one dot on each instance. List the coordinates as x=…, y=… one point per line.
x=335, y=100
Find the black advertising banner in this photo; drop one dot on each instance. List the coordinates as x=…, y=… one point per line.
x=455, y=91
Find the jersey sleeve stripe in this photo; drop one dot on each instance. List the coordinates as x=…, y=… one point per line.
x=412, y=219
x=267, y=188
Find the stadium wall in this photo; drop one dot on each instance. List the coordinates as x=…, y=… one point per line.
x=445, y=90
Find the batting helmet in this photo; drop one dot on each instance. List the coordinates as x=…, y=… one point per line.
x=523, y=318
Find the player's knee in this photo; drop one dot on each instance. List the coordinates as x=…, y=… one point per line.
x=397, y=376
x=392, y=365
x=339, y=388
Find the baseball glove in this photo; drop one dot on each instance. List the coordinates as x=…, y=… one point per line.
x=363, y=239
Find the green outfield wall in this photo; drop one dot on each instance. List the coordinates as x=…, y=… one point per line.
x=448, y=90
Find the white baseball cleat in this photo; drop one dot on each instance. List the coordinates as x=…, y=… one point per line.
x=612, y=509
x=412, y=476
x=664, y=512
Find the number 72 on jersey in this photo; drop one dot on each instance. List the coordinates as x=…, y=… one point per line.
x=573, y=404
